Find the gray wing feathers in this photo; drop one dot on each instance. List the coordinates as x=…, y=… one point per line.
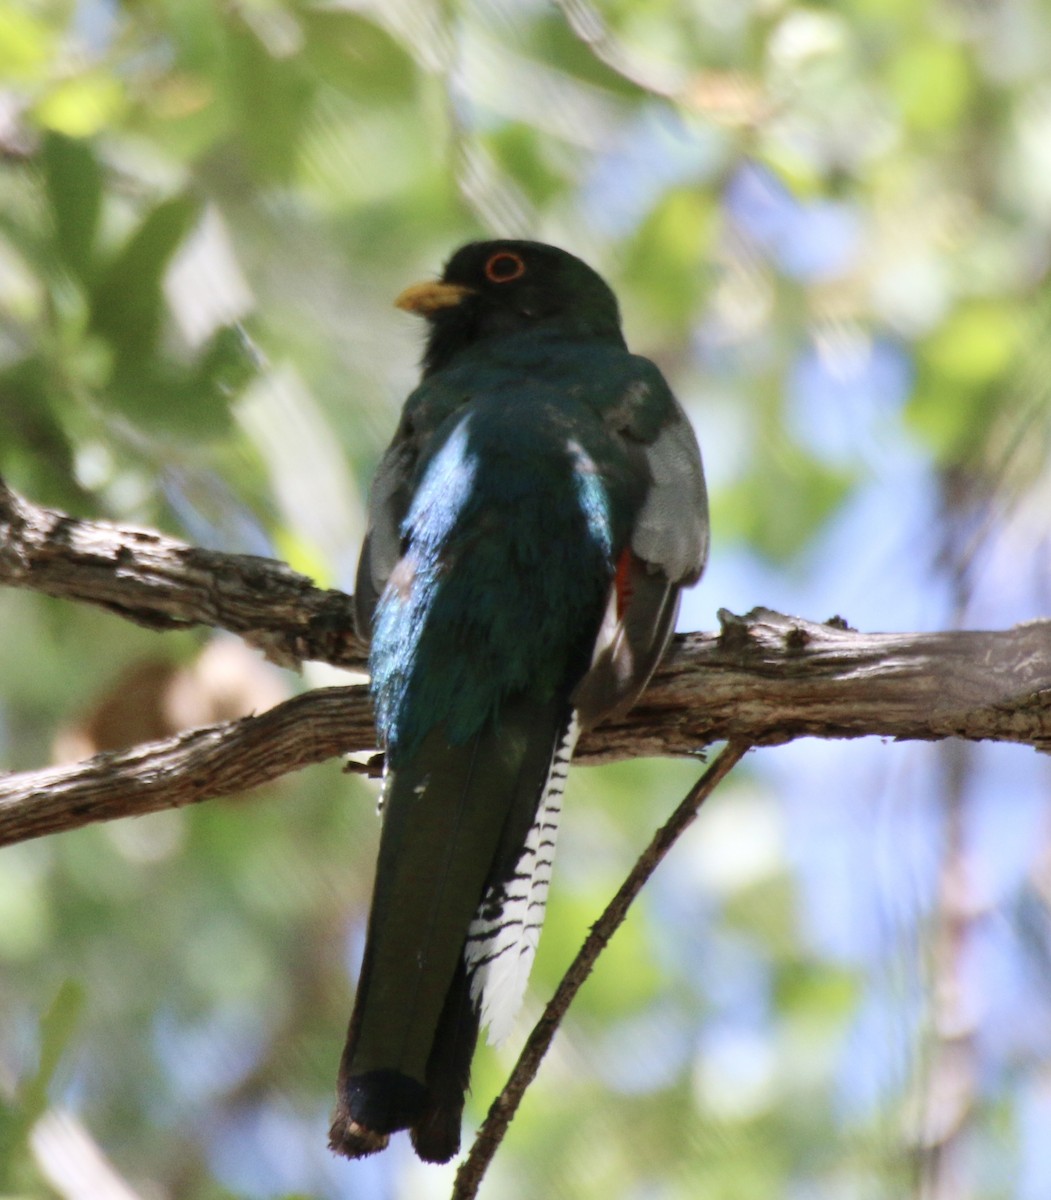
x=669, y=547
x=671, y=532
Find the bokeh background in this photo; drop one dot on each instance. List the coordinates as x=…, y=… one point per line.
x=831, y=227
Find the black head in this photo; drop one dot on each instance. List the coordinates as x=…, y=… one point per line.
x=491, y=289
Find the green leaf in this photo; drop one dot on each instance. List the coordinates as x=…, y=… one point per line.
x=273, y=98
x=35, y=449
x=57, y=1027
x=666, y=261
x=780, y=506
x=520, y=153
x=26, y=43
x=128, y=301
x=31, y=1101
x=227, y=364
x=932, y=83
x=822, y=996
x=963, y=371
x=192, y=401
x=976, y=344
x=73, y=180
x=357, y=56
x=82, y=105
x=550, y=40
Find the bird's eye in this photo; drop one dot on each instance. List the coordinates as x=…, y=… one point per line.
x=503, y=266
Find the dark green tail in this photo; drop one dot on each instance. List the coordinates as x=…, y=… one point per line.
x=455, y=821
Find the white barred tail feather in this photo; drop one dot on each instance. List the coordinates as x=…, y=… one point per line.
x=503, y=937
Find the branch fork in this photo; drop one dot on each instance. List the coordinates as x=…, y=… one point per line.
x=763, y=679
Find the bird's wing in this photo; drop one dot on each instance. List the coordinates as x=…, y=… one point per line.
x=381, y=549
x=671, y=532
x=391, y=494
x=667, y=549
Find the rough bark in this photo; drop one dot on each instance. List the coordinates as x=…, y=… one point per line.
x=763, y=679
x=162, y=583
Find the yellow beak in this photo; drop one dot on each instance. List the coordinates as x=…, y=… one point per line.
x=430, y=297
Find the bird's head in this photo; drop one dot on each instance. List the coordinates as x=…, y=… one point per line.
x=491, y=289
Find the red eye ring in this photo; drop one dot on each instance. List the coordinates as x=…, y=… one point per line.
x=503, y=266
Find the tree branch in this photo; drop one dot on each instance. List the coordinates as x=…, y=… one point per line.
x=770, y=678
x=764, y=678
x=200, y=764
x=162, y=583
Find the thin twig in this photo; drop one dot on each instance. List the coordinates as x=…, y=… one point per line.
x=504, y=1107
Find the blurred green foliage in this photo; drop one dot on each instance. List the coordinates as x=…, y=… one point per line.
x=829, y=224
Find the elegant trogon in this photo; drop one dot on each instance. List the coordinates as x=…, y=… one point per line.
x=530, y=527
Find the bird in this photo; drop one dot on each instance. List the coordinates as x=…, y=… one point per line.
x=530, y=528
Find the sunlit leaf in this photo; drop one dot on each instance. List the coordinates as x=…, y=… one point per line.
x=26, y=42
x=976, y=344
x=666, y=261
x=932, y=82
x=81, y=105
